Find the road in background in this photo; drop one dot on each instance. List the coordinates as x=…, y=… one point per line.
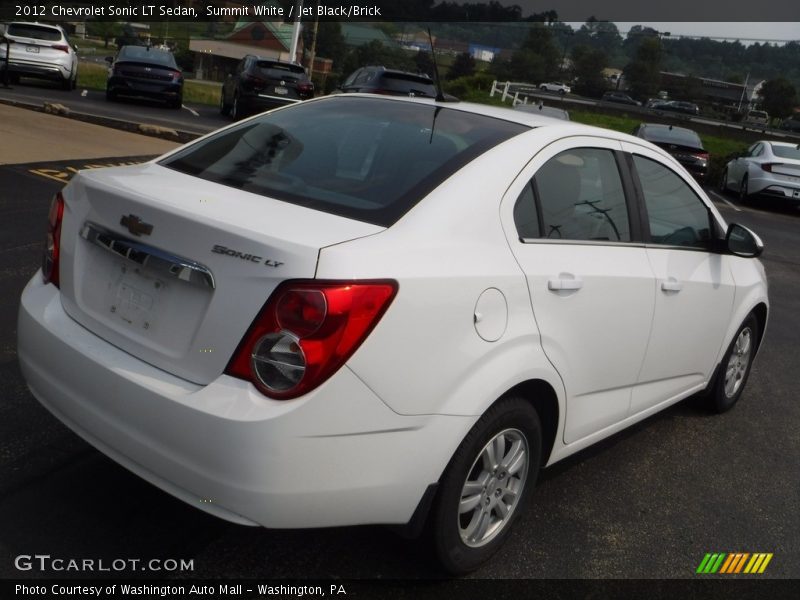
x=649, y=502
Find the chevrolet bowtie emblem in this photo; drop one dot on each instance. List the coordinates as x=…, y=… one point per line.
x=135, y=225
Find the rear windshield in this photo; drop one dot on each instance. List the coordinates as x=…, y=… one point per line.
x=150, y=55
x=676, y=135
x=278, y=70
x=402, y=82
x=786, y=151
x=362, y=158
x=34, y=31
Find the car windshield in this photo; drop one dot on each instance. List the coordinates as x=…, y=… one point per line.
x=146, y=54
x=362, y=158
x=34, y=31
x=277, y=70
x=791, y=152
x=675, y=135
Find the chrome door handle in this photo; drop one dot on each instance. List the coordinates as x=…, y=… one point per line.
x=564, y=283
x=671, y=285
x=162, y=263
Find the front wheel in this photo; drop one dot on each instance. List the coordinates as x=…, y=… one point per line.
x=486, y=485
x=735, y=367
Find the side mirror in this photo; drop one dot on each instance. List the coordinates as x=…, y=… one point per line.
x=740, y=241
x=109, y=59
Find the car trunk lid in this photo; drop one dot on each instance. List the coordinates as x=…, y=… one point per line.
x=174, y=269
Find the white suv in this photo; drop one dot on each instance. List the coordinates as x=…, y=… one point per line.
x=40, y=51
x=557, y=87
x=365, y=309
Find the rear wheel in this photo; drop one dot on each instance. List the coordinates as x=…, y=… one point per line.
x=744, y=195
x=111, y=96
x=735, y=367
x=235, y=108
x=486, y=485
x=224, y=107
x=723, y=182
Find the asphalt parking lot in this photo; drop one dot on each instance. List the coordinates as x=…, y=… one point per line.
x=647, y=503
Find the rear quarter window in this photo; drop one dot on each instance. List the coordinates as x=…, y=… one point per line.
x=362, y=158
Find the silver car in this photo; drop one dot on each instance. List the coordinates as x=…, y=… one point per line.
x=767, y=168
x=40, y=51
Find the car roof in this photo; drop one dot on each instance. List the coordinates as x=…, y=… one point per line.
x=48, y=25
x=775, y=143
x=504, y=113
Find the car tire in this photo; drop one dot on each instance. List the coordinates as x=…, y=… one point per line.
x=177, y=103
x=486, y=485
x=744, y=196
x=723, y=182
x=111, y=96
x=561, y=92
x=735, y=367
x=224, y=109
x=235, y=108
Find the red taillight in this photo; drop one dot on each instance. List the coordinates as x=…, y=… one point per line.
x=701, y=155
x=62, y=47
x=53, y=242
x=768, y=167
x=305, y=87
x=306, y=331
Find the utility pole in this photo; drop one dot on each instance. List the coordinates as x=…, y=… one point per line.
x=744, y=91
x=298, y=8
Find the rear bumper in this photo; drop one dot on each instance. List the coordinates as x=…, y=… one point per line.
x=338, y=456
x=128, y=87
x=51, y=71
x=251, y=104
x=774, y=187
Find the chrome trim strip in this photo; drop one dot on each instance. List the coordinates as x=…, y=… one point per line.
x=158, y=261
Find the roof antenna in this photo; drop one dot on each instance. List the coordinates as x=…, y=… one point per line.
x=440, y=97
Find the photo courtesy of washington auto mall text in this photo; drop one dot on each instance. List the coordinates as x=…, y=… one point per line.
x=399, y=299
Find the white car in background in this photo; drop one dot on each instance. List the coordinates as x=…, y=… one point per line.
x=767, y=169
x=40, y=51
x=365, y=309
x=555, y=86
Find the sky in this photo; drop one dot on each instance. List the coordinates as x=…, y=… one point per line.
x=742, y=31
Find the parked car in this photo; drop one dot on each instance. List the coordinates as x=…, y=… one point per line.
x=767, y=168
x=620, y=98
x=391, y=82
x=259, y=84
x=757, y=117
x=145, y=72
x=656, y=103
x=555, y=86
x=683, y=144
x=790, y=124
x=39, y=51
x=687, y=108
x=393, y=310
x=546, y=111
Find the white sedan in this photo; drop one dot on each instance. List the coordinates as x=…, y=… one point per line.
x=364, y=309
x=767, y=168
x=555, y=86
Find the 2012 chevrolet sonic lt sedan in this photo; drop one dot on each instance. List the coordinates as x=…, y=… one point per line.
x=362, y=309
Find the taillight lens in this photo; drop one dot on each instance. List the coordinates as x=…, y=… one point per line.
x=53, y=242
x=62, y=47
x=701, y=155
x=305, y=333
x=767, y=167
x=305, y=87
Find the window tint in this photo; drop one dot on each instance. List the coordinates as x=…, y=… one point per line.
x=34, y=31
x=677, y=217
x=525, y=215
x=147, y=54
x=581, y=197
x=363, y=158
x=792, y=152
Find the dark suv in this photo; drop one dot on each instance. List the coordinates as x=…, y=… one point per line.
x=380, y=80
x=259, y=84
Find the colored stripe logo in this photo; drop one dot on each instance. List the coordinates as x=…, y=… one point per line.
x=734, y=563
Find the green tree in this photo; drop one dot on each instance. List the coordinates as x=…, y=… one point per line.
x=107, y=30
x=588, y=64
x=778, y=97
x=538, y=60
x=643, y=74
x=463, y=66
